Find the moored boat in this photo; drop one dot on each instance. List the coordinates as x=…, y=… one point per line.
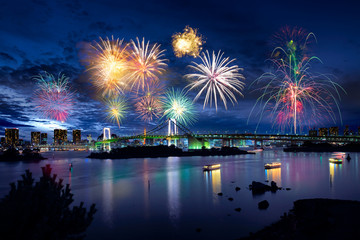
x=211, y=167
x=335, y=160
x=272, y=165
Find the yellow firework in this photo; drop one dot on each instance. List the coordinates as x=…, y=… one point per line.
x=116, y=108
x=146, y=64
x=187, y=43
x=108, y=64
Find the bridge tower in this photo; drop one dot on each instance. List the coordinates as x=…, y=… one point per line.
x=106, y=130
x=172, y=130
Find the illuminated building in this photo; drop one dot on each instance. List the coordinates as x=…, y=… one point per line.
x=60, y=136
x=76, y=136
x=43, y=138
x=35, y=138
x=313, y=133
x=323, y=132
x=334, y=131
x=346, y=131
x=12, y=136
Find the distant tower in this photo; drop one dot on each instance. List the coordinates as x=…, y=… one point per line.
x=89, y=138
x=106, y=130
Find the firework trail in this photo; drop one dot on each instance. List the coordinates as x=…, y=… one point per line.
x=292, y=92
x=146, y=63
x=187, y=43
x=53, y=98
x=107, y=61
x=179, y=107
x=216, y=79
x=116, y=109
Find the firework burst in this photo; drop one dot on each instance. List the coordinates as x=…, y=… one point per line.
x=149, y=102
x=146, y=63
x=116, y=109
x=108, y=64
x=149, y=107
x=295, y=95
x=216, y=78
x=179, y=107
x=53, y=97
x=188, y=42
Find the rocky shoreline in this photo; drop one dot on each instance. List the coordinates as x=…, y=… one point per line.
x=315, y=219
x=163, y=151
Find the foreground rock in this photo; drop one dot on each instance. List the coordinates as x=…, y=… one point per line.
x=316, y=219
x=259, y=188
x=263, y=204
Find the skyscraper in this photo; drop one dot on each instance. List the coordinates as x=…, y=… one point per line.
x=12, y=136
x=43, y=138
x=60, y=136
x=76, y=136
x=334, y=131
x=35, y=138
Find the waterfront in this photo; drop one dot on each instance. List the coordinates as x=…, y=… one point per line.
x=169, y=198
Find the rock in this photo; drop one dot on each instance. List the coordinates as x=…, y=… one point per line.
x=259, y=188
x=287, y=189
x=220, y=194
x=238, y=209
x=263, y=204
x=230, y=199
x=232, y=181
x=198, y=230
x=266, y=180
x=237, y=189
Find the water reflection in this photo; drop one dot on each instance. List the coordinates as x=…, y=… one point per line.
x=273, y=175
x=108, y=193
x=334, y=169
x=214, y=177
x=173, y=185
x=146, y=180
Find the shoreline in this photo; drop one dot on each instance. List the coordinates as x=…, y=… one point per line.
x=317, y=218
x=163, y=151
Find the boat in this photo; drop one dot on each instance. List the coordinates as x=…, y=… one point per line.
x=211, y=167
x=256, y=150
x=338, y=154
x=348, y=157
x=272, y=165
x=335, y=160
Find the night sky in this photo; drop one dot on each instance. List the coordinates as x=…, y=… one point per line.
x=42, y=35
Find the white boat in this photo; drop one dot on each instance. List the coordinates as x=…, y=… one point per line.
x=211, y=167
x=335, y=160
x=272, y=165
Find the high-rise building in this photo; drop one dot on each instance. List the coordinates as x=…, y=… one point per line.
x=76, y=136
x=35, y=138
x=43, y=138
x=323, y=132
x=60, y=136
x=334, y=131
x=313, y=133
x=12, y=136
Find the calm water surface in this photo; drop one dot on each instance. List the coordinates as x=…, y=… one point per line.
x=169, y=198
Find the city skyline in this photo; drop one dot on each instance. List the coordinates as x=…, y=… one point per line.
x=245, y=35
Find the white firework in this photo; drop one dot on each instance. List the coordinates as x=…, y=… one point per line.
x=216, y=78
